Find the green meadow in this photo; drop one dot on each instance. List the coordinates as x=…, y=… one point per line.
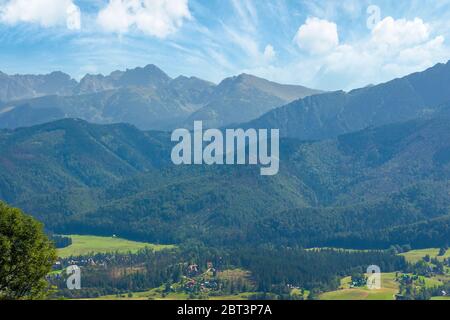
x=156, y=294
x=417, y=255
x=447, y=298
x=389, y=289
x=84, y=245
x=153, y=294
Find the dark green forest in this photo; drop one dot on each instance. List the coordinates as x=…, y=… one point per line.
x=369, y=189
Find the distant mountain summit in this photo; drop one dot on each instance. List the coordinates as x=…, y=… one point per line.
x=146, y=97
x=29, y=86
x=94, y=83
x=149, y=76
x=246, y=97
x=331, y=114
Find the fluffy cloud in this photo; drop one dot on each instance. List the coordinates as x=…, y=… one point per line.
x=317, y=36
x=46, y=13
x=269, y=53
x=398, y=47
x=400, y=33
x=394, y=48
x=157, y=18
x=73, y=20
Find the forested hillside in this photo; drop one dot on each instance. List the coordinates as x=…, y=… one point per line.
x=332, y=114
x=358, y=190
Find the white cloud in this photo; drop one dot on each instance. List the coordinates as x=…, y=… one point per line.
x=158, y=18
x=255, y=54
x=394, y=48
x=244, y=41
x=317, y=36
x=73, y=20
x=400, y=33
x=247, y=14
x=46, y=13
x=269, y=53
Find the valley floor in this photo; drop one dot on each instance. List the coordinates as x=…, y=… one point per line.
x=206, y=281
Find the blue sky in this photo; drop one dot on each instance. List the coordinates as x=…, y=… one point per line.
x=318, y=43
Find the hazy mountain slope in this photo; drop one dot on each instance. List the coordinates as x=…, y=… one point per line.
x=25, y=115
x=143, y=107
x=17, y=87
x=148, y=76
x=142, y=96
x=145, y=97
x=332, y=114
x=245, y=97
x=193, y=91
x=79, y=177
x=95, y=83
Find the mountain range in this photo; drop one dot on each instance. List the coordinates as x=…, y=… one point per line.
x=18, y=87
x=331, y=114
x=363, y=169
x=145, y=97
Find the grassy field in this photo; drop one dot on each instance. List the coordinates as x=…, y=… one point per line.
x=432, y=282
x=417, y=255
x=441, y=298
x=337, y=249
x=155, y=294
x=388, y=291
x=83, y=245
x=241, y=296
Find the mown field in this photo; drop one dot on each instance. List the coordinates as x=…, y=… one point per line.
x=156, y=294
x=441, y=298
x=388, y=291
x=417, y=255
x=85, y=245
x=153, y=294
x=389, y=288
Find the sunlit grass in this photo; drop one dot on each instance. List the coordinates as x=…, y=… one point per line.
x=84, y=245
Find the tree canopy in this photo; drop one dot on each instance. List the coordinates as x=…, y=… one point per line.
x=26, y=255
